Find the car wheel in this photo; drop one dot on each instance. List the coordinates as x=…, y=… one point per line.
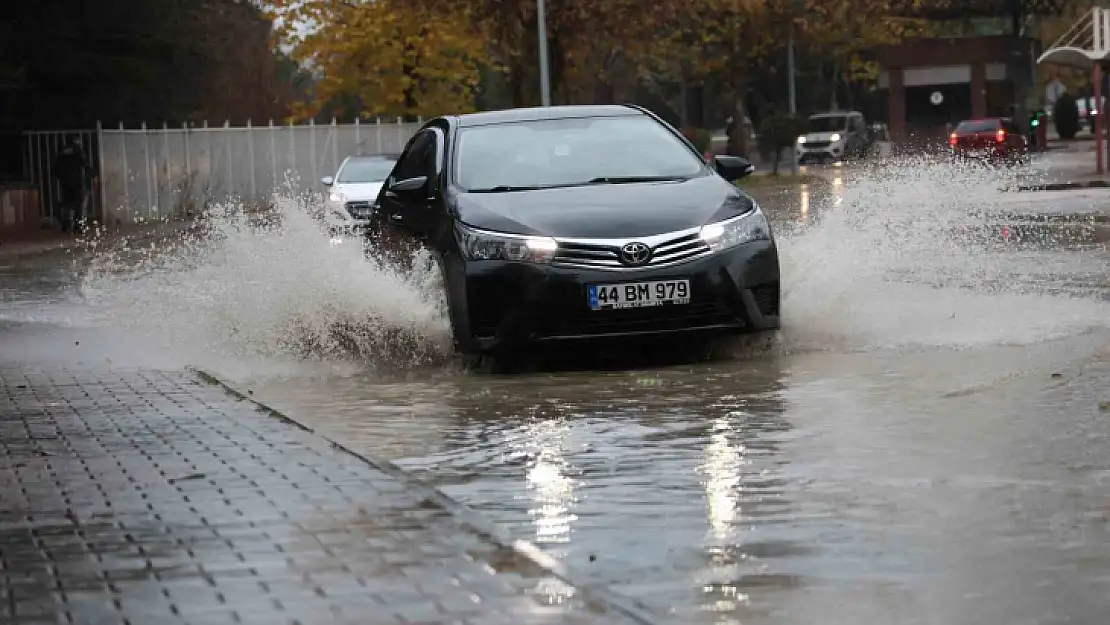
x=451, y=301
x=447, y=304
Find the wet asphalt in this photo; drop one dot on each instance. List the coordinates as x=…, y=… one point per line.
x=926, y=446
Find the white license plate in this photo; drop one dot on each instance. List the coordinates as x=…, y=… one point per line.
x=638, y=294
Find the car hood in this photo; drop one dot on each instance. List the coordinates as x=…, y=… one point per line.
x=358, y=191
x=605, y=210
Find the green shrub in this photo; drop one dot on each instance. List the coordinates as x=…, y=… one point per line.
x=776, y=132
x=1066, y=116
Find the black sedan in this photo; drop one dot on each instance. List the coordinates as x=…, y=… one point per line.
x=561, y=224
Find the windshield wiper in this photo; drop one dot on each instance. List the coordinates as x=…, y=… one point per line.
x=505, y=188
x=632, y=179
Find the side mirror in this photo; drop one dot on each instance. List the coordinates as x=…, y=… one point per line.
x=409, y=184
x=733, y=167
x=327, y=181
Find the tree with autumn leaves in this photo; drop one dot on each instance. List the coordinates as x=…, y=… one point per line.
x=423, y=57
x=843, y=35
x=403, y=57
x=426, y=57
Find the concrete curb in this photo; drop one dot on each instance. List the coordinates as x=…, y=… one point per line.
x=1065, y=186
x=463, y=513
x=1059, y=219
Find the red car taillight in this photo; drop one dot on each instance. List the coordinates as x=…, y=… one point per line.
x=952, y=139
x=1000, y=136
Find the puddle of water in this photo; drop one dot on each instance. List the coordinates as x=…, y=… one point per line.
x=763, y=490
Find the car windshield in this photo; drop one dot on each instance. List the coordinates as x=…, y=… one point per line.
x=568, y=152
x=365, y=170
x=827, y=124
x=977, y=125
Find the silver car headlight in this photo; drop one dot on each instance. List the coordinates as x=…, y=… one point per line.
x=749, y=227
x=336, y=197
x=485, y=245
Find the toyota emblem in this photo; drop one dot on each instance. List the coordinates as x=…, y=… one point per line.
x=635, y=254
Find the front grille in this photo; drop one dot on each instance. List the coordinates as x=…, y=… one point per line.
x=817, y=144
x=360, y=210
x=654, y=319
x=665, y=251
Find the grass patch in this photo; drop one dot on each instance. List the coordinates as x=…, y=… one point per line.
x=776, y=180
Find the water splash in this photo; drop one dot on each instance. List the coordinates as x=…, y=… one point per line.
x=910, y=255
x=905, y=255
x=256, y=285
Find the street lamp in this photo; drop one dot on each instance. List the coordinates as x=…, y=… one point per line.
x=791, y=89
x=545, y=78
x=796, y=7
x=790, y=70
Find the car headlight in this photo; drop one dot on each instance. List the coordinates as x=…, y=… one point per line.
x=335, y=197
x=835, y=137
x=746, y=228
x=485, y=245
x=801, y=140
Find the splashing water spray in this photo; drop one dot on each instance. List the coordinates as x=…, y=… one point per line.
x=908, y=256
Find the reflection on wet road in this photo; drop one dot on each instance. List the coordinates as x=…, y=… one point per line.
x=909, y=489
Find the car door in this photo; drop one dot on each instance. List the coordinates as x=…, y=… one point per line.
x=401, y=209
x=394, y=231
x=426, y=207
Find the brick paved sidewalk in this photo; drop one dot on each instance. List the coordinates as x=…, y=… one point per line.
x=152, y=497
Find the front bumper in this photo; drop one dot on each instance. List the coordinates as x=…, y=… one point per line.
x=819, y=150
x=350, y=218
x=510, y=304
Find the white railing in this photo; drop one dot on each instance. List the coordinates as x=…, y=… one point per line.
x=151, y=173
x=1084, y=33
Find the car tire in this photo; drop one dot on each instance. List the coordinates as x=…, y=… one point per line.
x=452, y=306
x=466, y=353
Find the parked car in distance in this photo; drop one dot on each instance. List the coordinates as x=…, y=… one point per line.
x=833, y=136
x=991, y=139
x=353, y=191
x=579, y=224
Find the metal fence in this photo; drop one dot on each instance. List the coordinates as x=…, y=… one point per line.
x=40, y=152
x=152, y=173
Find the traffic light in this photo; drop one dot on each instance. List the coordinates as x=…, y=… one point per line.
x=1037, y=135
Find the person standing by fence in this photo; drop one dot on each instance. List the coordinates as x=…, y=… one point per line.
x=73, y=172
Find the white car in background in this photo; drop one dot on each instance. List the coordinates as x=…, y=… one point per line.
x=353, y=191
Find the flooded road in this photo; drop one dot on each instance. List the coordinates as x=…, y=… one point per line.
x=924, y=442
x=908, y=488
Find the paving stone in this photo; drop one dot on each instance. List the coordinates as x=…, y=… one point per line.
x=153, y=497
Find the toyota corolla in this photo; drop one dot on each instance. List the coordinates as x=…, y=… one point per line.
x=562, y=224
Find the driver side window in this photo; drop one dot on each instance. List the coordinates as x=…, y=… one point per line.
x=417, y=159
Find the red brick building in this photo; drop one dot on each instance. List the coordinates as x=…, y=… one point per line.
x=931, y=82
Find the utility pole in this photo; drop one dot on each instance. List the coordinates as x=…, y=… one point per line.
x=790, y=71
x=545, y=77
